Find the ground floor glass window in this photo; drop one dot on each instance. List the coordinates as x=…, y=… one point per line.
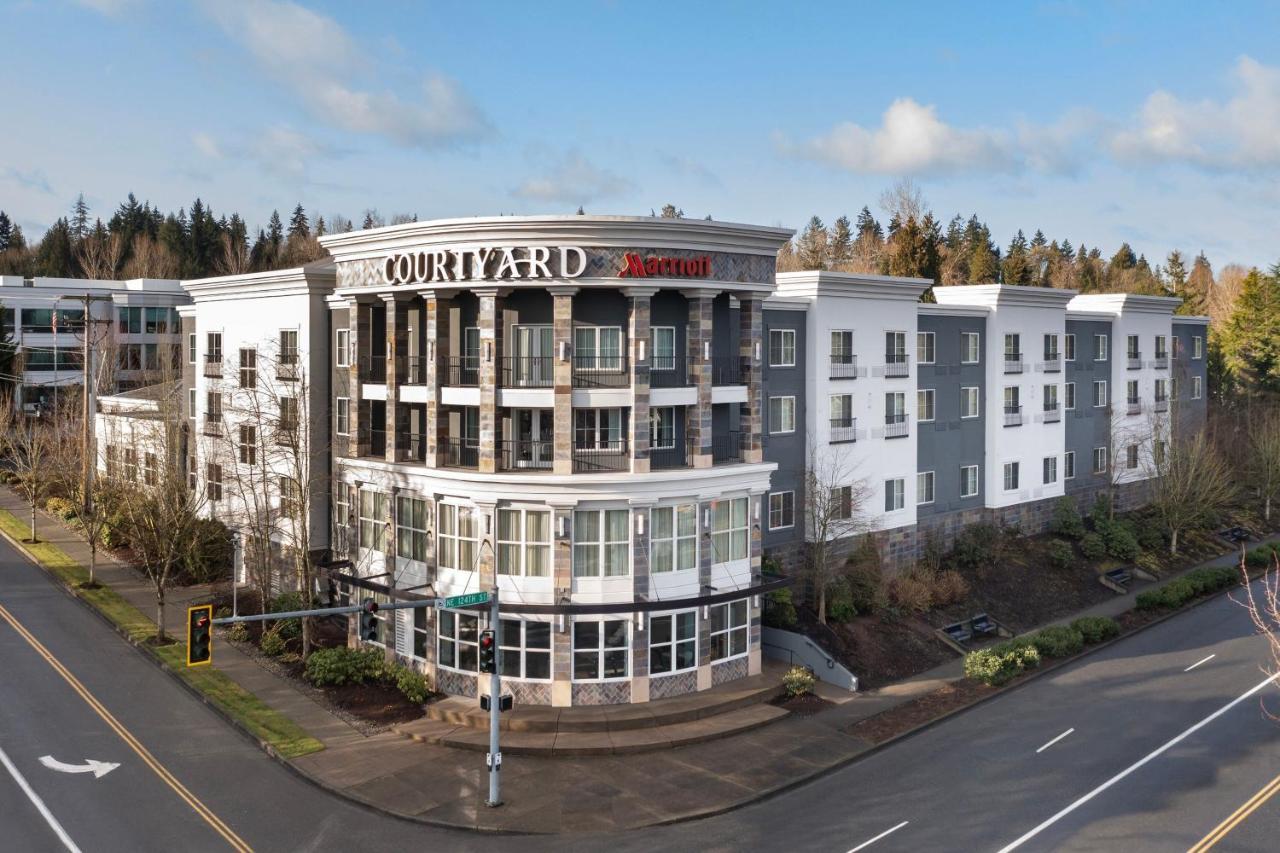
x=525, y=651
x=458, y=644
x=600, y=649
x=673, y=642
x=729, y=624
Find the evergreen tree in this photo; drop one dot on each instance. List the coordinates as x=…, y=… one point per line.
x=1250, y=339
x=839, y=244
x=6, y=230
x=811, y=248
x=55, y=256
x=1016, y=268
x=1175, y=272
x=1195, y=295
x=368, y=220
x=261, y=256
x=1038, y=240
x=17, y=242
x=868, y=227
x=320, y=227
x=299, y=227
x=275, y=232
x=670, y=211
x=79, y=220
x=1066, y=252
x=984, y=261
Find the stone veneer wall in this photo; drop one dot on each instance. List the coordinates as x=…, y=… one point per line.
x=729, y=670
x=602, y=693
x=455, y=683
x=666, y=686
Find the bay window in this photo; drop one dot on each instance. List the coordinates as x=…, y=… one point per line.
x=601, y=540
x=458, y=537
x=457, y=646
x=728, y=634
x=673, y=642
x=673, y=539
x=525, y=650
x=600, y=649
x=524, y=542
x=729, y=530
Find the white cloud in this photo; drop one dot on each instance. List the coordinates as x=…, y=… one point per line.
x=206, y=145
x=108, y=7
x=317, y=60
x=573, y=180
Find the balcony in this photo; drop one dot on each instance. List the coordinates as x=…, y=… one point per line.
x=377, y=442
x=213, y=366
x=896, y=365
x=1133, y=407
x=844, y=429
x=373, y=368
x=212, y=425
x=459, y=453
x=411, y=447
x=726, y=447
x=1052, y=414
x=1161, y=404
x=528, y=371
x=526, y=455
x=460, y=372
x=896, y=426
x=1012, y=416
x=669, y=371
x=1135, y=360
x=601, y=371
x=1013, y=362
x=729, y=370
x=1051, y=364
x=287, y=369
x=1161, y=361
x=677, y=456
x=844, y=366
x=415, y=370
x=602, y=457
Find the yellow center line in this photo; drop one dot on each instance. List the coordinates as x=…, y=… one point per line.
x=1238, y=816
x=168, y=778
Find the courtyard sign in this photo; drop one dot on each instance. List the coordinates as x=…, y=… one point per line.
x=483, y=263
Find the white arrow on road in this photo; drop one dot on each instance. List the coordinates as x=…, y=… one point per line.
x=97, y=768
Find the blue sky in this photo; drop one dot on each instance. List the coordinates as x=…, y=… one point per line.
x=1152, y=122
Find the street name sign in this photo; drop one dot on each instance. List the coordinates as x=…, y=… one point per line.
x=467, y=600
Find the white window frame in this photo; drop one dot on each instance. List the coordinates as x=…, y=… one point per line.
x=412, y=528
x=730, y=537
x=1014, y=468
x=655, y=428
x=450, y=636
x=372, y=528
x=1162, y=346
x=515, y=645
x=191, y=402
x=659, y=360
x=1100, y=346
x=1131, y=457
x=247, y=444
x=1197, y=387
x=192, y=348
x=970, y=394
x=926, y=482
x=674, y=541
x=1069, y=396
x=782, y=504
x=457, y=537
x=895, y=494
x=926, y=345
x=970, y=347
x=342, y=348
x=603, y=363
x=786, y=410
x=925, y=403
x=1100, y=385
x=977, y=481
x=1133, y=346
x=1049, y=470
x=522, y=548
x=1055, y=352
x=845, y=354
x=1197, y=346
x=342, y=416
x=1099, y=460
x=782, y=342
x=674, y=642
x=1069, y=465
x=602, y=650
x=1069, y=347
x=735, y=624
x=607, y=551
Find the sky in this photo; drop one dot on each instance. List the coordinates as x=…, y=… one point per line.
x=1155, y=123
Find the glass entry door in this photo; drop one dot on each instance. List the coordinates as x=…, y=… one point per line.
x=535, y=443
x=533, y=367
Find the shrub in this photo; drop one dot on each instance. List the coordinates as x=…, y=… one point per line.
x=864, y=577
x=1120, y=542
x=1095, y=629
x=977, y=545
x=1100, y=512
x=1092, y=546
x=411, y=683
x=770, y=567
x=272, y=643
x=910, y=593
x=210, y=556
x=1060, y=554
x=840, y=607
x=60, y=507
x=1259, y=558
x=1066, y=520
x=1150, y=537
x=1149, y=562
x=950, y=587
x=239, y=632
x=779, y=609
x=289, y=629
x=344, y=666
x=1057, y=641
x=1182, y=590
x=1002, y=662
x=798, y=681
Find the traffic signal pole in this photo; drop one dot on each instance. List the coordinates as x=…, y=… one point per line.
x=495, y=702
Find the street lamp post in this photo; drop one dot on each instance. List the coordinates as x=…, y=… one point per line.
x=235, y=572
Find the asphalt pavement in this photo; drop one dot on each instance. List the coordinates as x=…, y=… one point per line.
x=1071, y=761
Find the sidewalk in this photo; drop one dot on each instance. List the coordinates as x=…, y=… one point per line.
x=445, y=785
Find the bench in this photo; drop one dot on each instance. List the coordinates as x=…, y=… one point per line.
x=1236, y=534
x=1116, y=580
x=983, y=625
x=958, y=632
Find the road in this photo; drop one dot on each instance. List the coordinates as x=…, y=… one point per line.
x=1017, y=770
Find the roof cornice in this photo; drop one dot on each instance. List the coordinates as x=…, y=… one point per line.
x=825, y=283
x=1125, y=303
x=318, y=278
x=1003, y=295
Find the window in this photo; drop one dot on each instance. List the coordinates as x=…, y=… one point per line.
x=1157, y=452
x=894, y=494
x=729, y=531
x=1162, y=346
x=841, y=498
x=601, y=543
x=342, y=416
x=213, y=482
x=130, y=321
x=373, y=520
x=924, y=404
x=1131, y=456
x=1069, y=348
x=895, y=347
x=841, y=347
x=150, y=471
x=420, y=633
x=1099, y=460
x=594, y=347
x=213, y=344
x=1131, y=347
x=411, y=528
x=782, y=414
x=1051, y=398
x=594, y=429
x=288, y=347
x=1131, y=392
x=1069, y=465
x=157, y=321
x=673, y=642
x=457, y=537
x=288, y=418
x=1050, y=347
x=191, y=348
x=1197, y=347
x=924, y=488
x=525, y=651
x=191, y=403
x=969, y=402
x=213, y=406
x=248, y=368
x=1069, y=395
x=1099, y=393
x=193, y=472
x=969, y=347
x=925, y=350
x=1197, y=383
x=1173, y=383
x=524, y=542
x=662, y=427
x=1162, y=390
x=248, y=444
x=673, y=539
x=841, y=415
x=342, y=348
x=457, y=647
x=1100, y=347
x=782, y=347
x=471, y=348
x=600, y=649
x=664, y=347
x=1050, y=470
x=968, y=481
x=1012, y=399
x=1011, y=471
x=782, y=510
x=1012, y=347
x=290, y=498
x=728, y=633
x=341, y=518
x=895, y=407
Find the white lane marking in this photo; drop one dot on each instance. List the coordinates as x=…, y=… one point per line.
x=97, y=768
x=1197, y=663
x=871, y=841
x=39, y=804
x=1023, y=839
x=1055, y=740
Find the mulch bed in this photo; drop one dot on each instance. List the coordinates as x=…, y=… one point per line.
x=895, y=721
x=804, y=705
x=882, y=651
x=382, y=704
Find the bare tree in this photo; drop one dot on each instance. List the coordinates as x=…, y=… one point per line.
x=834, y=508
x=100, y=255
x=1264, y=607
x=1189, y=482
x=904, y=200
x=150, y=259
x=1263, y=460
x=233, y=259
x=29, y=442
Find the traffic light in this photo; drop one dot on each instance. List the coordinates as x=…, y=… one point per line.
x=487, y=651
x=369, y=620
x=200, y=635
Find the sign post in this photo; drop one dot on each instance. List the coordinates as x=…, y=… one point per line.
x=495, y=694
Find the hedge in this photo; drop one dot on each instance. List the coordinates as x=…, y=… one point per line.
x=344, y=665
x=1005, y=661
x=1191, y=585
x=1096, y=629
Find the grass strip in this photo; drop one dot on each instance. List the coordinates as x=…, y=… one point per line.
x=265, y=723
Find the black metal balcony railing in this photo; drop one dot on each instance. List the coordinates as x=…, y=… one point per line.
x=1012, y=362
x=669, y=371
x=213, y=425
x=1135, y=360
x=460, y=372
x=1161, y=361
x=729, y=370
x=1052, y=363
x=1052, y=414
x=896, y=425
x=1161, y=404
x=377, y=442
x=896, y=365
x=602, y=456
x=678, y=456
x=411, y=446
x=528, y=371
x=526, y=455
x=415, y=370
x=844, y=429
x=1012, y=415
x=844, y=366
x=459, y=453
x=600, y=371
x=726, y=447
x=213, y=366
x=287, y=369
x=1133, y=406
